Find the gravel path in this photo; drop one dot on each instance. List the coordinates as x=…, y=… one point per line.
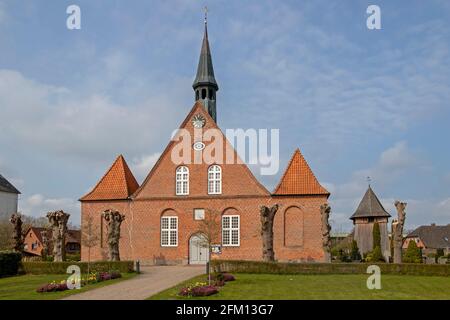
x=151, y=281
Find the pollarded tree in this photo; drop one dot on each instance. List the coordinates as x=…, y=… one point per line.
x=397, y=231
x=58, y=221
x=113, y=220
x=16, y=220
x=267, y=216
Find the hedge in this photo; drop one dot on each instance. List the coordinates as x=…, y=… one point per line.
x=327, y=268
x=61, y=267
x=9, y=263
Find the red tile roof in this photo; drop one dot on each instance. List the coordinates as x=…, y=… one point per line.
x=118, y=183
x=298, y=179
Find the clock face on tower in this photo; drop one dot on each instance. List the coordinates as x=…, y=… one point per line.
x=198, y=121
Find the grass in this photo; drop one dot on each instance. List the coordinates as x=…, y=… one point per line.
x=327, y=287
x=24, y=287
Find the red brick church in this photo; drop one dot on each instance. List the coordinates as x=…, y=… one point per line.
x=164, y=214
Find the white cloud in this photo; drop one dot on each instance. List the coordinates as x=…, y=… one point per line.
x=54, y=119
x=391, y=165
x=141, y=166
x=38, y=205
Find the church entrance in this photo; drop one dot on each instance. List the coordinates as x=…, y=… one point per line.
x=198, y=249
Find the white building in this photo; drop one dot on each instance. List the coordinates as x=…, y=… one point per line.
x=9, y=197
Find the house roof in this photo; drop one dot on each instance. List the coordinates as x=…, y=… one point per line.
x=298, y=179
x=370, y=206
x=433, y=236
x=72, y=236
x=6, y=186
x=118, y=183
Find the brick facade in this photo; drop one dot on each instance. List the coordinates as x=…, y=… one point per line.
x=297, y=227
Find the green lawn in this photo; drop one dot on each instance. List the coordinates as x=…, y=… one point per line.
x=333, y=287
x=24, y=287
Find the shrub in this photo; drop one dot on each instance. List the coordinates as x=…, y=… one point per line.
x=413, y=254
x=355, y=255
x=243, y=266
x=376, y=235
x=9, y=263
x=61, y=267
x=72, y=257
x=439, y=253
x=375, y=255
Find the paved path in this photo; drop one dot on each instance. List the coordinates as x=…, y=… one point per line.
x=151, y=281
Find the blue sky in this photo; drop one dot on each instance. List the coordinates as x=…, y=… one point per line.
x=356, y=102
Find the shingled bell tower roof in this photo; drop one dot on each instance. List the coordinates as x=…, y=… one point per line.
x=118, y=183
x=370, y=206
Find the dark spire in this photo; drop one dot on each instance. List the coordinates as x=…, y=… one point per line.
x=205, y=70
x=205, y=85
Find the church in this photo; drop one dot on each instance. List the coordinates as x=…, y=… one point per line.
x=163, y=215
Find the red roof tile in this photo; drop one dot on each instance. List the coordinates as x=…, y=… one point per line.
x=298, y=179
x=118, y=183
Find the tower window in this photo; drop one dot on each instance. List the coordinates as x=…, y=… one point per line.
x=203, y=93
x=182, y=181
x=211, y=94
x=215, y=180
x=197, y=95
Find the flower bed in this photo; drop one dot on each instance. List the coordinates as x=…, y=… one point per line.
x=202, y=289
x=199, y=289
x=89, y=279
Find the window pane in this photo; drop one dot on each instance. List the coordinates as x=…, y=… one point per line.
x=235, y=237
x=164, y=238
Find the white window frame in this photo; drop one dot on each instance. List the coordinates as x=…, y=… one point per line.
x=215, y=182
x=169, y=231
x=229, y=230
x=182, y=181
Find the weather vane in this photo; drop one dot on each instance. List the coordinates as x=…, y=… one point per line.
x=206, y=14
x=369, y=180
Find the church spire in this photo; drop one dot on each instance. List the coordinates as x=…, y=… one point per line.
x=205, y=85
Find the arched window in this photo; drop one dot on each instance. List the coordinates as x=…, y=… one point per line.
x=203, y=93
x=182, y=181
x=211, y=94
x=197, y=95
x=215, y=180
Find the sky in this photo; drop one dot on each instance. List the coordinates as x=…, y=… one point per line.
x=357, y=102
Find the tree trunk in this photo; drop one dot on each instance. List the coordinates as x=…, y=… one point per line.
x=325, y=210
x=113, y=220
x=16, y=220
x=267, y=218
x=58, y=221
x=397, y=230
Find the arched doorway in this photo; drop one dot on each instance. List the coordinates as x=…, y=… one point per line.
x=198, y=249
